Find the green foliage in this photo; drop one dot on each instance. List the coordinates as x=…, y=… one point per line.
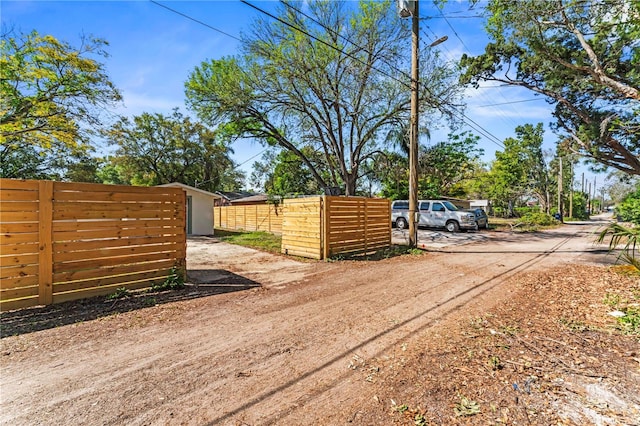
x=120, y=293
x=630, y=322
x=629, y=209
x=296, y=92
x=285, y=174
x=519, y=170
x=257, y=239
x=155, y=149
x=51, y=93
x=583, y=57
x=174, y=281
x=538, y=219
x=445, y=166
x=618, y=235
x=580, y=206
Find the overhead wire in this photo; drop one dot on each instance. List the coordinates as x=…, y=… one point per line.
x=464, y=117
x=453, y=109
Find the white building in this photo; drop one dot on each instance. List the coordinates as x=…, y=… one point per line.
x=199, y=209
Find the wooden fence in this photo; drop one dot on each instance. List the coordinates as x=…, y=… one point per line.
x=302, y=227
x=260, y=217
x=355, y=225
x=316, y=227
x=63, y=241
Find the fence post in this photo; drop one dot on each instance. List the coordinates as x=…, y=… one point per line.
x=45, y=238
x=324, y=227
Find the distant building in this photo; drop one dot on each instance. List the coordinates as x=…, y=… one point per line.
x=199, y=208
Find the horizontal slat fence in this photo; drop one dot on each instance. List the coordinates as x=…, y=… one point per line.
x=259, y=217
x=62, y=241
x=356, y=225
x=302, y=227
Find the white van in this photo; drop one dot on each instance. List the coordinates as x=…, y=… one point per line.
x=433, y=214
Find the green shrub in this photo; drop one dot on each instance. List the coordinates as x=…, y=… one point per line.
x=175, y=280
x=537, y=218
x=629, y=209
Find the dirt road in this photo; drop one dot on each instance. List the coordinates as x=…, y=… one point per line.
x=285, y=351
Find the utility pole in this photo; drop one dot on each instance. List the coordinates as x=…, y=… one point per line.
x=571, y=189
x=413, y=144
x=410, y=8
x=560, y=191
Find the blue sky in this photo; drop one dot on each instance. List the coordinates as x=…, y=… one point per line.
x=153, y=50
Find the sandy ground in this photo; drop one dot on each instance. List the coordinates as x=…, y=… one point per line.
x=288, y=347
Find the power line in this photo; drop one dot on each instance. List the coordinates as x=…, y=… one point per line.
x=485, y=132
x=512, y=102
x=323, y=42
x=195, y=20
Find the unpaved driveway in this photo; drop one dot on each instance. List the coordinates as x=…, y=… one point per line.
x=281, y=353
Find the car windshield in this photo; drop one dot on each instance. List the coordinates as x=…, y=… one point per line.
x=450, y=206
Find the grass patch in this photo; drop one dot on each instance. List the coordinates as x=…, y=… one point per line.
x=258, y=240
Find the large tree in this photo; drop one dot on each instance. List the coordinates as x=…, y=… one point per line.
x=447, y=165
x=520, y=170
x=326, y=79
x=155, y=149
x=584, y=57
x=51, y=93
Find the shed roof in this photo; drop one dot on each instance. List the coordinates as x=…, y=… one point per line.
x=191, y=188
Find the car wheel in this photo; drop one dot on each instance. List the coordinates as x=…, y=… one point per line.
x=452, y=226
x=401, y=223
x=486, y=225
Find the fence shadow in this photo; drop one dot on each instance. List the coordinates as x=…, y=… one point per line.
x=201, y=283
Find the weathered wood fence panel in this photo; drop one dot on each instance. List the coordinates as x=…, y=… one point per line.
x=261, y=217
x=302, y=227
x=64, y=241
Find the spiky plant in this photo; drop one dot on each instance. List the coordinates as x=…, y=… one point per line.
x=622, y=235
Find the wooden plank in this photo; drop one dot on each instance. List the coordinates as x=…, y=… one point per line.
x=88, y=214
x=45, y=271
x=23, y=184
x=19, y=293
x=112, y=270
x=98, y=187
x=23, y=259
x=16, y=249
x=114, y=233
x=114, y=223
x=10, y=305
x=15, y=238
x=90, y=255
x=19, y=216
x=18, y=206
x=112, y=261
x=117, y=207
x=16, y=282
x=116, y=196
x=7, y=228
x=73, y=246
x=18, y=271
x=122, y=280
x=7, y=195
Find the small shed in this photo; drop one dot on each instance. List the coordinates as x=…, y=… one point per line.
x=199, y=208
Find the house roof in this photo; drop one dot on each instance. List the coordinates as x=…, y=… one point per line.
x=191, y=188
x=257, y=198
x=231, y=195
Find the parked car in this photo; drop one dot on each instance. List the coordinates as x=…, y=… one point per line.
x=433, y=214
x=482, y=220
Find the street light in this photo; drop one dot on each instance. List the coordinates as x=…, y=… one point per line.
x=410, y=8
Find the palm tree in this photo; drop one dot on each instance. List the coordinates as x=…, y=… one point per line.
x=622, y=235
